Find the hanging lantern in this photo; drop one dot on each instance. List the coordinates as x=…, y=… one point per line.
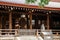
x=23, y=16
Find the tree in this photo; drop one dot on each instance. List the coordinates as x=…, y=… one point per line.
x=42, y=3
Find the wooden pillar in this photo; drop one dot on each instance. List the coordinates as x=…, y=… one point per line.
x=30, y=20
x=47, y=21
x=10, y=20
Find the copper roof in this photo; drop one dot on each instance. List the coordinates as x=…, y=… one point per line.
x=55, y=0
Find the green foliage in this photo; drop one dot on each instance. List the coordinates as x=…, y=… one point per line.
x=41, y=3
x=30, y=1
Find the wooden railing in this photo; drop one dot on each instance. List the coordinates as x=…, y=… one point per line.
x=56, y=32
x=8, y=32
x=36, y=32
x=56, y=37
